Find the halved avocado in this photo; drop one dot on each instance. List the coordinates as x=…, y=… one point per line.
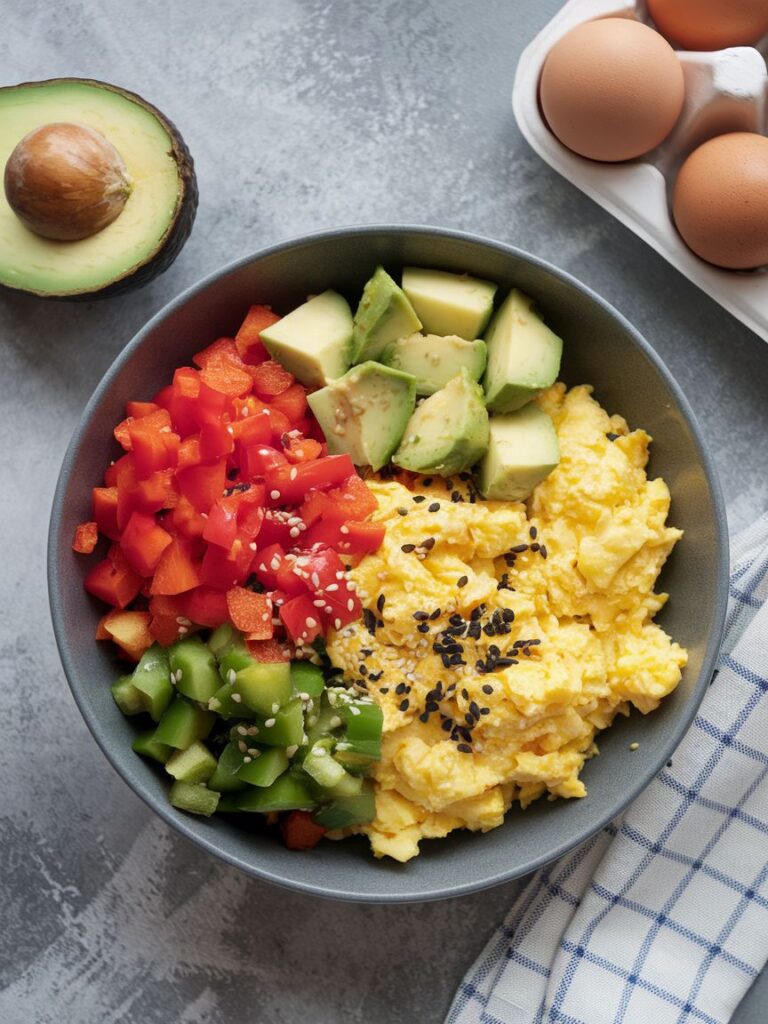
x=146, y=237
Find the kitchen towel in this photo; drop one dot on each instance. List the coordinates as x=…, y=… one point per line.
x=662, y=917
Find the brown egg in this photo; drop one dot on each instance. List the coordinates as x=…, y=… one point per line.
x=710, y=24
x=720, y=202
x=612, y=89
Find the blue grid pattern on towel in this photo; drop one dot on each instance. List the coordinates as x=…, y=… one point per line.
x=663, y=915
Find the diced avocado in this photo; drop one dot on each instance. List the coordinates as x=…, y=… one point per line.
x=146, y=745
x=523, y=355
x=313, y=341
x=448, y=432
x=307, y=678
x=522, y=451
x=364, y=414
x=264, y=686
x=225, y=778
x=194, y=668
x=152, y=677
x=284, y=728
x=194, y=797
x=263, y=768
x=449, y=303
x=384, y=314
x=287, y=793
x=182, y=723
x=345, y=811
x=195, y=764
x=127, y=697
x=433, y=360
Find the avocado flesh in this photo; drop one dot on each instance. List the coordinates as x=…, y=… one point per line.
x=522, y=451
x=313, y=340
x=162, y=183
x=449, y=303
x=365, y=412
x=434, y=361
x=448, y=432
x=384, y=314
x=523, y=355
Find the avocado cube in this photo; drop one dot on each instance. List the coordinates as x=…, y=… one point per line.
x=522, y=451
x=383, y=315
x=523, y=355
x=433, y=361
x=364, y=414
x=449, y=303
x=448, y=432
x=314, y=341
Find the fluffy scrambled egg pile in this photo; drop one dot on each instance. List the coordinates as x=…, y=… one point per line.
x=500, y=637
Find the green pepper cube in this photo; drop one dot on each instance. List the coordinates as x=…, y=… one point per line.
x=363, y=720
x=194, y=797
x=194, y=669
x=345, y=811
x=287, y=793
x=228, y=703
x=284, y=728
x=182, y=723
x=263, y=767
x=146, y=745
x=223, y=638
x=127, y=697
x=347, y=785
x=307, y=678
x=152, y=678
x=195, y=764
x=264, y=686
x=224, y=779
x=359, y=757
x=320, y=765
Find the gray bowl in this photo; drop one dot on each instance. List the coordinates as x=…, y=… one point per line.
x=601, y=348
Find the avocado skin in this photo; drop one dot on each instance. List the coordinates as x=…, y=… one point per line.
x=179, y=229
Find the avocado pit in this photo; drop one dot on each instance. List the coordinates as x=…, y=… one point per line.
x=66, y=181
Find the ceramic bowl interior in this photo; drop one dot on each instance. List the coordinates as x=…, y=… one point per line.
x=601, y=348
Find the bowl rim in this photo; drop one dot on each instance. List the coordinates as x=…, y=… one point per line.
x=178, y=822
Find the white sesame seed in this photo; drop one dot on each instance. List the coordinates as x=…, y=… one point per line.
x=214, y=704
x=354, y=711
x=253, y=751
x=247, y=760
x=262, y=567
x=343, y=529
x=230, y=430
x=290, y=751
x=253, y=730
x=274, y=565
x=231, y=677
x=311, y=622
x=304, y=696
x=294, y=532
x=275, y=708
x=179, y=674
x=332, y=587
x=236, y=698
x=274, y=495
x=182, y=621
x=269, y=723
x=335, y=722
x=241, y=746
x=350, y=605
x=293, y=473
x=252, y=545
x=183, y=630
x=242, y=730
x=319, y=603
x=337, y=623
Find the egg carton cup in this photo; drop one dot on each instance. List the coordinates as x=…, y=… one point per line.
x=725, y=91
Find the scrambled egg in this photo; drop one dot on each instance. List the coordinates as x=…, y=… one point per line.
x=500, y=637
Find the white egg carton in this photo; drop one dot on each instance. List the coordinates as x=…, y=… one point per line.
x=725, y=91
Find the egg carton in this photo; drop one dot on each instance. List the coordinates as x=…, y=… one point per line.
x=725, y=92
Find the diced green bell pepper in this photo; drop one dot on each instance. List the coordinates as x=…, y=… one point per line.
x=146, y=745
x=264, y=768
x=363, y=720
x=345, y=811
x=152, y=677
x=194, y=797
x=182, y=723
x=320, y=765
x=327, y=721
x=195, y=764
x=223, y=638
x=307, y=678
x=284, y=728
x=287, y=793
x=194, y=669
x=127, y=697
x=224, y=779
x=358, y=758
x=262, y=685
x=227, y=706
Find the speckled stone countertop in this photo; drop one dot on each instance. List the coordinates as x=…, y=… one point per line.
x=300, y=114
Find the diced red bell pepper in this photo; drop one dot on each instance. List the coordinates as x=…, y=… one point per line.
x=303, y=449
x=206, y=606
x=260, y=458
x=143, y=542
x=247, y=339
x=275, y=530
x=221, y=525
x=300, y=831
x=176, y=571
x=203, y=485
x=158, y=491
x=223, y=374
x=129, y=630
x=86, y=538
x=289, y=580
x=180, y=399
x=152, y=449
x=139, y=409
x=250, y=512
x=104, y=507
x=125, y=478
x=353, y=500
x=186, y=520
x=292, y=402
x=268, y=561
x=268, y=650
x=122, y=434
x=216, y=440
x=279, y=424
x=223, y=348
x=113, y=469
x=253, y=429
x=301, y=619
x=165, y=612
x=112, y=580
x=165, y=631
x=189, y=452
x=212, y=404
x=293, y=482
x=270, y=379
x=363, y=537
x=250, y=612
x=225, y=569
x=313, y=507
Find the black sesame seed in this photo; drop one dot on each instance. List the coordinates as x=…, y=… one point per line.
x=446, y=660
x=370, y=621
x=456, y=659
x=380, y=603
x=428, y=544
x=424, y=716
x=432, y=705
x=362, y=670
x=489, y=629
x=447, y=725
x=518, y=549
x=421, y=616
x=480, y=666
x=434, y=507
x=451, y=687
x=407, y=548
x=427, y=481
x=535, y=546
x=488, y=688
x=533, y=531
x=374, y=677
x=474, y=631
x=508, y=615
x=404, y=704
x=423, y=627
x=400, y=688
x=464, y=748
x=469, y=719
x=418, y=498
x=435, y=614
x=402, y=511
x=465, y=694
x=383, y=689
x=543, y=551
x=485, y=711
x=456, y=619
x=366, y=652
x=611, y=436
x=462, y=581
x=474, y=708
x=456, y=496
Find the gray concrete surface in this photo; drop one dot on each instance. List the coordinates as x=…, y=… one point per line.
x=301, y=114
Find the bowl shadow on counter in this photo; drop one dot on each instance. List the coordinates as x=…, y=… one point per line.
x=600, y=348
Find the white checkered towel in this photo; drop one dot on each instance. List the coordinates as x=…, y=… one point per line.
x=662, y=918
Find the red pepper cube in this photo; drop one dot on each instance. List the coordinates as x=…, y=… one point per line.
x=260, y=459
x=226, y=374
x=181, y=400
x=268, y=560
x=86, y=538
x=292, y=402
x=270, y=379
x=186, y=520
x=251, y=613
x=225, y=569
x=250, y=512
x=364, y=537
x=104, y=508
x=176, y=571
x=301, y=619
x=291, y=579
x=216, y=441
x=354, y=500
x=143, y=542
x=113, y=580
x=248, y=340
x=293, y=482
x=206, y=606
x=221, y=525
x=203, y=485
x=313, y=507
x=139, y=409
